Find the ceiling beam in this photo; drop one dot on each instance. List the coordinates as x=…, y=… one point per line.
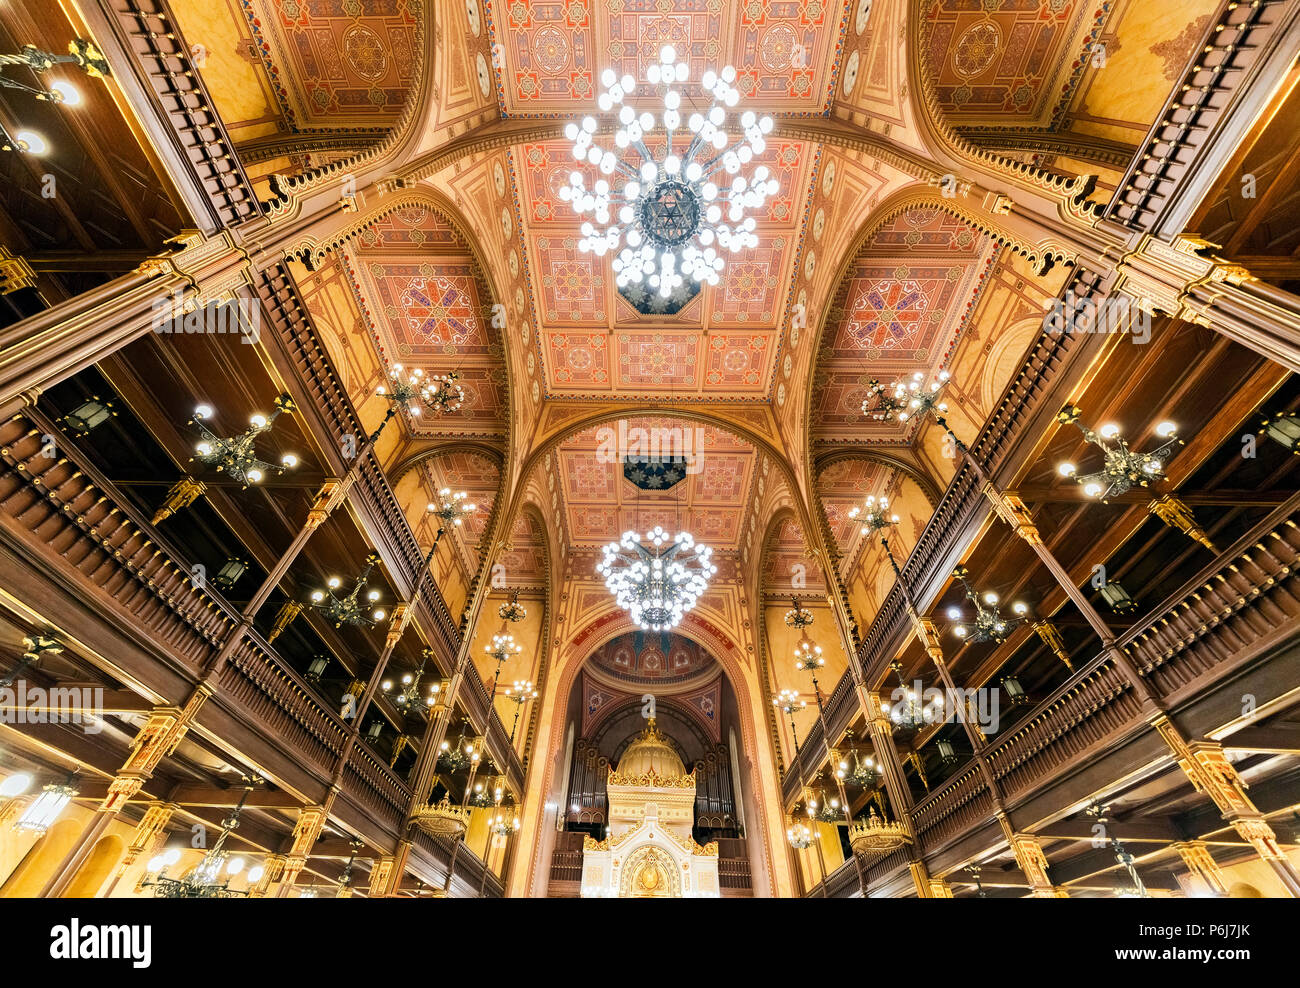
x=1280, y=740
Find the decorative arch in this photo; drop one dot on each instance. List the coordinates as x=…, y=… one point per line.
x=1039, y=252
x=837, y=454
x=649, y=859
x=375, y=162
x=570, y=664
x=1070, y=193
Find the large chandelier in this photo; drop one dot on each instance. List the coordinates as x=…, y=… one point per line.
x=1123, y=468
x=674, y=214
x=237, y=455
x=210, y=878
x=656, y=584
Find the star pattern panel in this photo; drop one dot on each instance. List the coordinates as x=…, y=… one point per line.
x=1013, y=60
x=648, y=658
x=424, y=297
x=336, y=64
x=487, y=191
x=899, y=309
x=599, y=503
x=548, y=54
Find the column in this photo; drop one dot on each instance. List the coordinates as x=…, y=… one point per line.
x=1204, y=869
x=148, y=836
x=272, y=871
x=1210, y=772
x=157, y=738
x=379, y=874
x=900, y=797
x=940, y=889
x=305, y=833
x=1032, y=861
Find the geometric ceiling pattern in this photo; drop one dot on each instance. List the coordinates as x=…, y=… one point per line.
x=899, y=309
x=523, y=562
x=787, y=567
x=1006, y=61
x=647, y=658
x=424, y=298
x=550, y=53
x=592, y=342
x=599, y=503
x=335, y=65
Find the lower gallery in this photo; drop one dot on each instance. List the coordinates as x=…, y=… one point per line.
x=485, y=449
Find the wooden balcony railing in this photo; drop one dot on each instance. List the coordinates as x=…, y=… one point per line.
x=1238, y=38
x=1235, y=611
x=156, y=64
x=62, y=509
x=1027, y=405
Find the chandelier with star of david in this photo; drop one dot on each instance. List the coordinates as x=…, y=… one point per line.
x=659, y=582
x=675, y=211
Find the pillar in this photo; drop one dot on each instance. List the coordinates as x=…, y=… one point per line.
x=1210, y=772
x=1204, y=869
x=1032, y=861
x=305, y=834
x=159, y=736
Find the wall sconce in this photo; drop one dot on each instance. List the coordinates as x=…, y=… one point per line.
x=1015, y=691
x=1283, y=428
x=1114, y=594
x=10, y=789
x=46, y=808
x=317, y=668
x=88, y=416
x=231, y=570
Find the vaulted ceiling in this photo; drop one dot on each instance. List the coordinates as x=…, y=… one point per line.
x=483, y=273
x=601, y=502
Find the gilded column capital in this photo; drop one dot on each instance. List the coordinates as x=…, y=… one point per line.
x=1012, y=510
x=327, y=499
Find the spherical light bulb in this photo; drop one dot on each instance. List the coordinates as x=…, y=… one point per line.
x=15, y=785
x=31, y=142
x=69, y=95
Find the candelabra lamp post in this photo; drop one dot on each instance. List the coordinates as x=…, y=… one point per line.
x=210, y=879
x=475, y=749
x=990, y=625
x=502, y=824
x=519, y=693
x=878, y=520
x=1123, y=468
x=345, y=879
x=1122, y=857
x=910, y=713
x=442, y=394
x=407, y=693
x=787, y=701
x=82, y=54
x=236, y=456
x=912, y=399
x=450, y=510
x=502, y=648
